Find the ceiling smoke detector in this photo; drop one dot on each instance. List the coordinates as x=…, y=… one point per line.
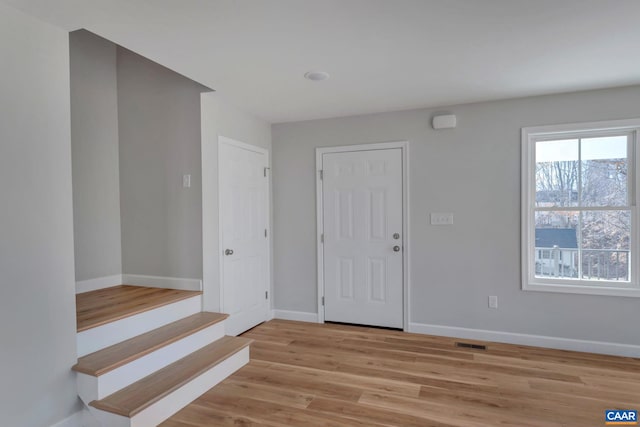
x=316, y=76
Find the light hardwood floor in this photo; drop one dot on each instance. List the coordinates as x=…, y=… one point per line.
x=102, y=306
x=304, y=374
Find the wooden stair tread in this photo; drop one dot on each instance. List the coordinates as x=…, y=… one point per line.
x=97, y=308
x=132, y=399
x=110, y=358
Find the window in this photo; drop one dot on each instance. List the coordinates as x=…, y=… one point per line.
x=579, y=217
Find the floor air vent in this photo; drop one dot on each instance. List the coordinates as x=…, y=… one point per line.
x=469, y=345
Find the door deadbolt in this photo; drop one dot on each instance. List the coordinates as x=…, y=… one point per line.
x=396, y=236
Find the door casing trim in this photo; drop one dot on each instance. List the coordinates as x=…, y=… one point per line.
x=320, y=151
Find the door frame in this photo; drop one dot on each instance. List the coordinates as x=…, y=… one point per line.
x=238, y=144
x=320, y=151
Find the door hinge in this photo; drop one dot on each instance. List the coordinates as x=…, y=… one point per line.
x=265, y=171
x=323, y=301
x=266, y=294
x=321, y=174
x=265, y=233
x=322, y=238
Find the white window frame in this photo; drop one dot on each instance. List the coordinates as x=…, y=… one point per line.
x=576, y=286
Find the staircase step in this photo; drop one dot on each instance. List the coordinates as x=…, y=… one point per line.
x=110, y=358
x=117, y=319
x=97, y=308
x=140, y=395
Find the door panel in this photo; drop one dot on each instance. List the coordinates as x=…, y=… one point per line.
x=376, y=280
x=377, y=214
x=244, y=219
x=362, y=210
x=345, y=275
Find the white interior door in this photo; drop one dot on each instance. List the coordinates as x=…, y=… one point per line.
x=363, y=242
x=244, y=220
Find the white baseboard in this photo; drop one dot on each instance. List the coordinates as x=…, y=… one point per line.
x=74, y=420
x=98, y=283
x=600, y=347
x=163, y=282
x=300, y=316
x=137, y=279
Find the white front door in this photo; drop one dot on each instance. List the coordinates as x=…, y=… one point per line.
x=244, y=222
x=363, y=242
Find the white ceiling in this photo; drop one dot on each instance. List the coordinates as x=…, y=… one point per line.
x=382, y=54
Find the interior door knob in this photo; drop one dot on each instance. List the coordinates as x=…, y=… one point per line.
x=228, y=252
x=396, y=249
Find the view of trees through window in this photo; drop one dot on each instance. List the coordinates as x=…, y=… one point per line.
x=582, y=208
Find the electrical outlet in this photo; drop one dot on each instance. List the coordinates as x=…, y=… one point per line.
x=493, y=301
x=441, y=218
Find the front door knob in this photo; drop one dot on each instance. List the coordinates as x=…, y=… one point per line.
x=396, y=249
x=228, y=252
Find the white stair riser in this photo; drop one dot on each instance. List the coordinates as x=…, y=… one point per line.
x=92, y=388
x=172, y=403
x=97, y=338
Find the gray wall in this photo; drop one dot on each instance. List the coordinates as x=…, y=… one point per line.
x=473, y=171
x=37, y=304
x=159, y=132
x=94, y=147
x=221, y=118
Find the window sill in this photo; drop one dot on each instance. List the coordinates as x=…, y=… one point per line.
x=632, y=290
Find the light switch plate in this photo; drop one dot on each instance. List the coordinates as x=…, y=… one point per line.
x=186, y=181
x=493, y=301
x=442, y=218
